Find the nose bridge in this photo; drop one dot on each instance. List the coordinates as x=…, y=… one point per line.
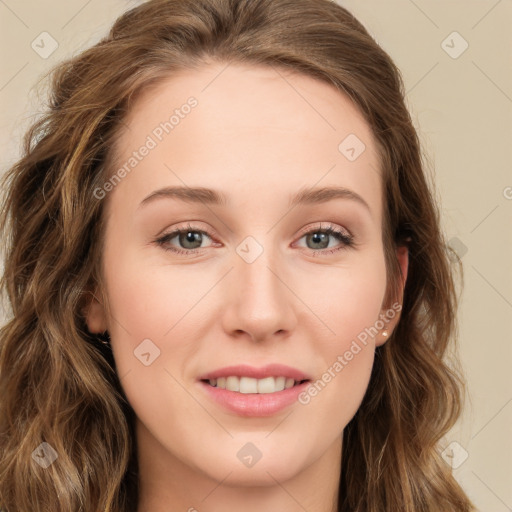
x=259, y=277
x=260, y=303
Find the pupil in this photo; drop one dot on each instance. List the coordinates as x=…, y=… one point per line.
x=321, y=238
x=190, y=237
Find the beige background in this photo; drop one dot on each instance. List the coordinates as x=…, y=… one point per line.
x=462, y=107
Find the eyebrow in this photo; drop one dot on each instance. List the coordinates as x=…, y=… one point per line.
x=187, y=194
x=324, y=194
x=204, y=195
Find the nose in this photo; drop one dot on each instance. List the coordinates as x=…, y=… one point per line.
x=259, y=304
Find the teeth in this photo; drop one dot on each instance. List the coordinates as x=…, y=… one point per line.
x=233, y=383
x=280, y=382
x=289, y=383
x=250, y=385
x=247, y=385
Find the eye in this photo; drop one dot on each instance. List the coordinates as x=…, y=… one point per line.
x=318, y=240
x=190, y=239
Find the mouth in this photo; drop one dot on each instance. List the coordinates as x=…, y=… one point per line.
x=249, y=391
x=250, y=385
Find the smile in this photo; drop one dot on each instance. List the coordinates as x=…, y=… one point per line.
x=248, y=385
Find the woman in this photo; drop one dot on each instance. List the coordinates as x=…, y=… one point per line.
x=228, y=282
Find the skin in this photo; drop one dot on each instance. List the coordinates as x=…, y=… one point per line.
x=259, y=136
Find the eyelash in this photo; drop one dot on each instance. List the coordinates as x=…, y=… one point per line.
x=346, y=239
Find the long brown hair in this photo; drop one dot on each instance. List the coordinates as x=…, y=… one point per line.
x=58, y=382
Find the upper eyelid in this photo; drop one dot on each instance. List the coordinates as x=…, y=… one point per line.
x=321, y=227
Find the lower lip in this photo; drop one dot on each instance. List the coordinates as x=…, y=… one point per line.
x=254, y=404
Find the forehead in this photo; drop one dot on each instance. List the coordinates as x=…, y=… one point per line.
x=252, y=127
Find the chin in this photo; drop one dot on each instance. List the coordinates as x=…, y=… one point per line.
x=275, y=462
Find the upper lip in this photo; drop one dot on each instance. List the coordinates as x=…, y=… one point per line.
x=270, y=370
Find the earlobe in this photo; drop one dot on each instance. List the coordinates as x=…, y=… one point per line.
x=382, y=337
x=95, y=317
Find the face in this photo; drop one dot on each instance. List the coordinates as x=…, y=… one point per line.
x=272, y=280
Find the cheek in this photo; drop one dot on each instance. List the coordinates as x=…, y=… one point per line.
x=153, y=324
x=345, y=299
x=348, y=301
x=147, y=300
x=149, y=325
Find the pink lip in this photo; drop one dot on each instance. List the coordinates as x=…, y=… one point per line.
x=254, y=404
x=270, y=370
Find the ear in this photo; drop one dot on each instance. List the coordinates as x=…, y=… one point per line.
x=402, y=254
x=94, y=313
